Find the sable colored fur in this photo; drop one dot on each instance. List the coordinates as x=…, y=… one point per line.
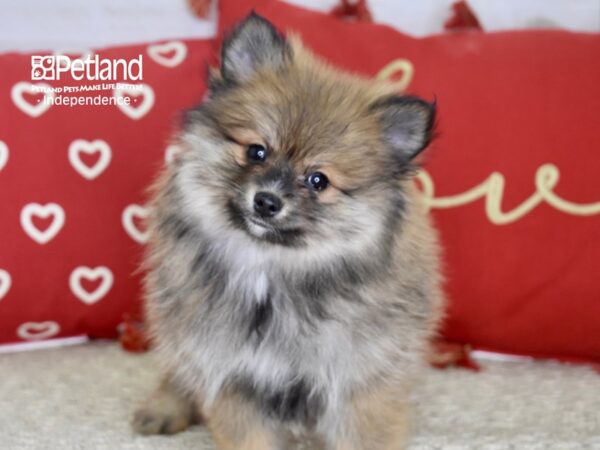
x=293, y=275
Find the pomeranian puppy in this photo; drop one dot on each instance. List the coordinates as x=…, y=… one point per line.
x=293, y=274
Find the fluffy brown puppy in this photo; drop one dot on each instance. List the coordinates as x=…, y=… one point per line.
x=293, y=280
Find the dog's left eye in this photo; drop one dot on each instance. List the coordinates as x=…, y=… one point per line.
x=256, y=153
x=317, y=180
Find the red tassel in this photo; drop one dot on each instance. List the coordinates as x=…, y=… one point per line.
x=200, y=7
x=462, y=18
x=357, y=10
x=133, y=336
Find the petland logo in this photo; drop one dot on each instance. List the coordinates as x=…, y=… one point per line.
x=90, y=69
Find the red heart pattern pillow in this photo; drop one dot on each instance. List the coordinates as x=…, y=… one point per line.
x=72, y=184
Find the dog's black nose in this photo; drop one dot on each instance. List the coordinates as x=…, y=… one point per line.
x=267, y=204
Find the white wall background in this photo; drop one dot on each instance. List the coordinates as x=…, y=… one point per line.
x=28, y=25
x=423, y=17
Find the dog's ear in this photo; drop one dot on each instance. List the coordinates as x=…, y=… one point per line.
x=406, y=124
x=254, y=44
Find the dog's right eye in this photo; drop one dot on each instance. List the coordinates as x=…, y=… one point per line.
x=256, y=153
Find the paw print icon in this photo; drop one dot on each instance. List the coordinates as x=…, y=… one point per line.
x=43, y=67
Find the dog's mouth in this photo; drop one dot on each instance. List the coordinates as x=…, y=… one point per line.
x=260, y=229
x=258, y=222
x=257, y=227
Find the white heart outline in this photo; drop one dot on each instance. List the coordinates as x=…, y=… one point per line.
x=90, y=273
x=83, y=53
x=129, y=212
x=34, y=111
x=5, y=283
x=4, y=153
x=31, y=209
x=171, y=153
x=402, y=65
x=82, y=145
x=156, y=51
x=51, y=329
x=143, y=108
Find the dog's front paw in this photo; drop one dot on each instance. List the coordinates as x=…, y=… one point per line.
x=162, y=414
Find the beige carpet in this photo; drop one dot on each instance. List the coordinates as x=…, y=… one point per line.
x=82, y=398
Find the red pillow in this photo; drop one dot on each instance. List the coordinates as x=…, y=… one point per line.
x=72, y=182
x=517, y=110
